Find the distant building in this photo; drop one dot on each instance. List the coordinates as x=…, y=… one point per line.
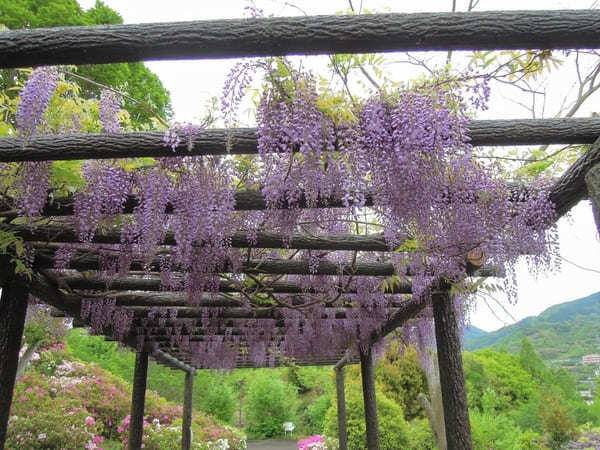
x=589, y=360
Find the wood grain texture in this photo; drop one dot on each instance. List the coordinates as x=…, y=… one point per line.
x=138, y=397
x=570, y=188
x=341, y=408
x=454, y=396
x=238, y=141
x=186, y=426
x=13, y=307
x=301, y=35
x=369, y=398
x=91, y=283
x=592, y=182
x=44, y=259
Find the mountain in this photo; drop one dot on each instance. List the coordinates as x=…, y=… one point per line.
x=472, y=332
x=562, y=332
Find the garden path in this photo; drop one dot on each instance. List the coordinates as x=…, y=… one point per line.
x=272, y=444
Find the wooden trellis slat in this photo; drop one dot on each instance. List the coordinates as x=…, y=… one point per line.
x=373, y=242
x=154, y=284
x=243, y=141
x=44, y=259
x=301, y=35
x=567, y=191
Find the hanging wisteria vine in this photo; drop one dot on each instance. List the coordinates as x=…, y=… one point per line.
x=407, y=151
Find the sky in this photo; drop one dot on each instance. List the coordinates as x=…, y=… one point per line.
x=193, y=83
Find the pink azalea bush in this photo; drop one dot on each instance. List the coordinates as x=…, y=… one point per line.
x=61, y=403
x=312, y=443
x=40, y=418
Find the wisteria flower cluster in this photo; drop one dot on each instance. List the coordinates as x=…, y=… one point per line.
x=402, y=159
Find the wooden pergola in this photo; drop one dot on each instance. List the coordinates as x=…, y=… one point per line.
x=140, y=291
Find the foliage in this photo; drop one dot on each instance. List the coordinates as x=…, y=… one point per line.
x=420, y=435
x=59, y=395
x=499, y=371
x=269, y=404
x=401, y=378
x=133, y=78
x=42, y=416
x=558, y=421
x=218, y=400
x=393, y=429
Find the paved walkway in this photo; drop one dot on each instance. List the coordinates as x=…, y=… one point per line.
x=272, y=444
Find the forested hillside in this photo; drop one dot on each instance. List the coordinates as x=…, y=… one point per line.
x=562, y=332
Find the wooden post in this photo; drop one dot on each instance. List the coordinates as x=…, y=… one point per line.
x=341, y=407
x=13, y=307
x=136, y=425
x=454, y=398
x=186, y=431
x=368, y=384
x=592, y=181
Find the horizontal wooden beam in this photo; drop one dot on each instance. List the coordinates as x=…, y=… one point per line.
x=154, y=284
x=44, y=259
x=239, y=141
x=176, y=300
x=172, y=361
x=300, y=35
x=303, y=241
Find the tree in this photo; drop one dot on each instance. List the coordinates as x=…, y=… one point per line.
x=134, y=79
x=530, y=360
x=393, y=429
x=401, y=378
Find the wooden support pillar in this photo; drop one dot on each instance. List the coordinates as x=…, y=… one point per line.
x=13, y=307
x=136, y=425
x=592, y=181
x=186, y=431
x=452, y=380
x=341, y=407
x=368, y=384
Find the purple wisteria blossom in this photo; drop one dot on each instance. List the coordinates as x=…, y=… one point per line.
x=35, y=98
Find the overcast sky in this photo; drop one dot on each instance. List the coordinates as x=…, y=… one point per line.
x=192, y=83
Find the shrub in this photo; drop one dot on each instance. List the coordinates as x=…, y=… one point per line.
x=218, y=400
x=558, y=421
x=270, y=403
x=393, y=430
x=41, y=419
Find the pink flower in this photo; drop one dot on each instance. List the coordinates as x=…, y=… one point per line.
x=41, y=436
x=90, y=421
x=98, y=439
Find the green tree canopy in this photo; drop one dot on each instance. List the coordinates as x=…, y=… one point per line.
x=135, y=79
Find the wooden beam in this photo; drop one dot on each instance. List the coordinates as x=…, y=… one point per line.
x=341, y=407
x=186, y=426
x=368, y=384
x=243, y=141
x=276, y=36
x=138, y=397
x=592, y=182
x=91, y=283
x=84, y=261
x=570, y=188
x=13, y=308
x=299, y=241
x=454, y=397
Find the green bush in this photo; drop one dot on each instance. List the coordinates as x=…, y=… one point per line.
x=393, y=430
x=496, y=430
x=420, y=435
x=315, y=412
x=270, y=403
x=218, y=400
